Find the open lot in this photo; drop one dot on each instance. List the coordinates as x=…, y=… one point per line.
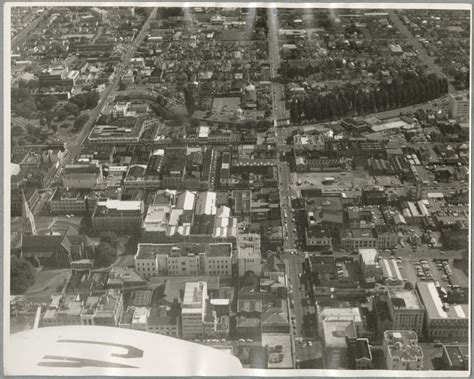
x=355, y=179
x=227, y=103
x=409, y=272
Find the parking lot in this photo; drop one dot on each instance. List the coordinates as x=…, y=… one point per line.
x=422, y=269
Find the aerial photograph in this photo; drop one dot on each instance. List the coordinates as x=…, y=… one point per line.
x=283, y=188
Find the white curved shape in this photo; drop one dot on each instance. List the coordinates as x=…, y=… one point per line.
x=100, y=350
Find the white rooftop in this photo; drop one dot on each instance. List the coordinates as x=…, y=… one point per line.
x=206, y=203
x=368, y=256
x=122, y=205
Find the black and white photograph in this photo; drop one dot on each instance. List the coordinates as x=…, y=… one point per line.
x=237, y=189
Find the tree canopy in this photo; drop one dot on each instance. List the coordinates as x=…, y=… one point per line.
x=22, y=275
x=105, y=255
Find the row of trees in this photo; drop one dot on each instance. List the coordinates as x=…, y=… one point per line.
x=341, y=102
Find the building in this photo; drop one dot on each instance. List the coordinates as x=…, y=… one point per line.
x=104, y=310
x=341, y=314
x=17, y=202
x=318, y=238
x=406, y=310
x=278, y=350
x=72, y=201
x=459, y=107
x=63, y=310
x=336, y=334
x=82, y=175
x=443, y=320
x=121, y=216
x=391, y=275
x=163, y=320
x=386, y=240
x=127, y=130
x=352, y=239
x=184, y=259
x=249, y=256
x=199, y=318
x=362, y=354
x=67, y=309
x=401, y=350
x=369, y=264
x=455, y=357
x=55, y=248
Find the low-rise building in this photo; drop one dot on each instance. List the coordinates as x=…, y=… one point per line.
x=402, y=351
x=121, y=216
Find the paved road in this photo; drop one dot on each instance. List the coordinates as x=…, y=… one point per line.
x=74, y=149
x=23, y=35
x=424, y=57
x=279, y=112
x=294, y=264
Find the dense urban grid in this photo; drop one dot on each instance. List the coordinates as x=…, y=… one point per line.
x=288, y=185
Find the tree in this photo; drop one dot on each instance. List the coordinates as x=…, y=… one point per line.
x=110, y=238
x=105, y=255
x=61, y=114
x=71, y=109
x=122, y=86
x=22, y=275
x=47, y=103
x=80, y=121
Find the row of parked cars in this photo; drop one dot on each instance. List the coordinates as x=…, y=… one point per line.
x=423, y=270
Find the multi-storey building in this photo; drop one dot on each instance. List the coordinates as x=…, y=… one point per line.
x=459, y=107
x=443, y=320
x=406, y=310
x=249, y=256
x=120, y=216
x=184, y=259
x=352, y=239
x=199, y=317
x=82, y=175
x=402, y=351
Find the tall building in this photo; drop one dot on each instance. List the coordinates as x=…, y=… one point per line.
x=249, y=256
x=192, y=312
x=28, y=220
x=406, y=310
x=459, y=107
x=402, y=351
x=199, y=316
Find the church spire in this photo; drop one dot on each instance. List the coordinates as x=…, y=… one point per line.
x=29, y=225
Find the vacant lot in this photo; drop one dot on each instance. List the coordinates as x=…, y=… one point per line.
x=355, y=179
x=225, y=103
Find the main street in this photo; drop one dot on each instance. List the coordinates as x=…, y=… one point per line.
x=279, y=112
x=74, y=149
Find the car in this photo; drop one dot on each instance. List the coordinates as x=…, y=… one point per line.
x=310, y=343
